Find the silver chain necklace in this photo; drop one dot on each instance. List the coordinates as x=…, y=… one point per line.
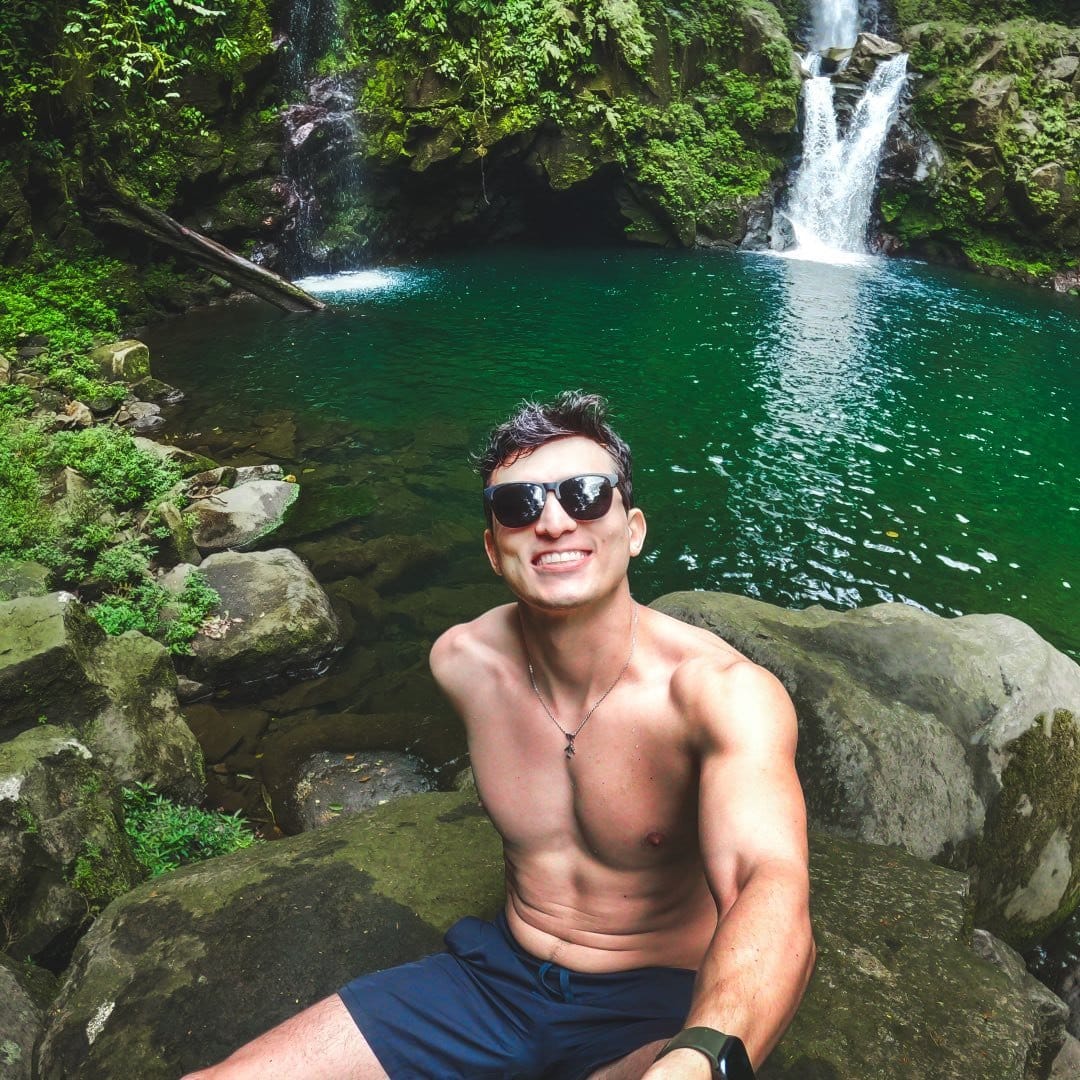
x=569, y=750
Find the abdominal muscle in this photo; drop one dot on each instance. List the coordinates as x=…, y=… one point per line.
x=572, y=910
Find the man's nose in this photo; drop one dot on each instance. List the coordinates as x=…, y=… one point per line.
x=554, y=520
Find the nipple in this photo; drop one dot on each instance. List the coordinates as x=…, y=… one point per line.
x=655, y=839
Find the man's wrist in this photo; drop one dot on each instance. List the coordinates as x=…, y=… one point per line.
x=724, y=1054
x=686, y=1062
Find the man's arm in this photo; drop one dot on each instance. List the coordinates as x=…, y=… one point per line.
x=753, y=843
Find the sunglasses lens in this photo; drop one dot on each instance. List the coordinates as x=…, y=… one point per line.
x=586, y=498
x=515, y=505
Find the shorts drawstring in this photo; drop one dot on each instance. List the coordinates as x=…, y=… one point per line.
x=564, y=982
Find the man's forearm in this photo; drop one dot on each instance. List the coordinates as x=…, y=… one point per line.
x=756, y=969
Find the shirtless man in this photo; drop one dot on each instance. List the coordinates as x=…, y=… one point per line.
x=641, y=774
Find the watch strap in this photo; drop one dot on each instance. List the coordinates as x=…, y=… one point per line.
x=726, y=1053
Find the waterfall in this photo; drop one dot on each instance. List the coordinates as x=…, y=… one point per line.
x=832, y=197
x=835, y=25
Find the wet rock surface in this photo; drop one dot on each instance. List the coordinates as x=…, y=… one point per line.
x=24, y=994
x=330, y=785
x=63, y=850
x=952, y=737
x=154, y=985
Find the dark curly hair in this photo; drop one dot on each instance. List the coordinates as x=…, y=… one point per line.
x=535, y=424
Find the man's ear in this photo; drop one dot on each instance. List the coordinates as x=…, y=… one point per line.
x=491, y=551
x=635, y=524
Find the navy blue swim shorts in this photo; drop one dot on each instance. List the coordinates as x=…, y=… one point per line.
x=485, y=1008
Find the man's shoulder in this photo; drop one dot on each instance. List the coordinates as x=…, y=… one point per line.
x=459, y=652
x=712, y=682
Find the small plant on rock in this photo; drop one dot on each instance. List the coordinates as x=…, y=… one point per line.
x=166, y=835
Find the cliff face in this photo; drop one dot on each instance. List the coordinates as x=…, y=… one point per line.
x=530, y=118
x=1002, y=102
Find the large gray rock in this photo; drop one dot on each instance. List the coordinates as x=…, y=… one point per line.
x=21, y=578
x=955, y=738
x=140, y=731
x=63, y=850
x=154, y=986
x=124, y=361
x=279, y=619
x=24, y=993
x=241, y=516
x=44, y=644
x=870, y=51
x=1049, y=1014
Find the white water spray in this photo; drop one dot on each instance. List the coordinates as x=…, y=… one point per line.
x=835, y=25
x=832, y=197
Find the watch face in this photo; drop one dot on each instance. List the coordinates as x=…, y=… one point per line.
x=734, y=1061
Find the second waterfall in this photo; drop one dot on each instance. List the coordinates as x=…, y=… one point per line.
x=831, y=199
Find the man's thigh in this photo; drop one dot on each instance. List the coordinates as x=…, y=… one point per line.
x=321, y=1042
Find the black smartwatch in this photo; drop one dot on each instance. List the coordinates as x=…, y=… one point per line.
x=726, y=1053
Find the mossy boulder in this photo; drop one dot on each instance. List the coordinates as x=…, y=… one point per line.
x=140, y=731
x=63, y=850
x=955, y=738
x=123, y=361
x=25, y=991
x=44, y=644
x=277, y=619
x=154, y=987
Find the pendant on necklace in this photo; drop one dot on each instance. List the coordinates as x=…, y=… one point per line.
x=569, y=751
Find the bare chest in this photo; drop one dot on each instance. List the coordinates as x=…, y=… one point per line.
x=627, y=797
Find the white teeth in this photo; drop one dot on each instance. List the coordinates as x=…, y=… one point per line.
x=560, y=557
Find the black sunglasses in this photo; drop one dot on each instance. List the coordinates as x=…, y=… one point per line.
x=584, y=498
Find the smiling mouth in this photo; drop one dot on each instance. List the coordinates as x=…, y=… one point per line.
x=554, y=558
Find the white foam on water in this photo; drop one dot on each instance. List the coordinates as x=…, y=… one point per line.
x=352, y=281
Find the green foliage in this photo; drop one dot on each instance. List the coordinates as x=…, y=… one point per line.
x=910, y=12
x=189, y=609
x=72, y=302
x=139, y=603
x=119, y=470
x=989, y=253
x=24, y=520
x=478, y=73
x=991, y=102
x=100, y=55
x=88, y=537
x=166, y=835
x=135, y=608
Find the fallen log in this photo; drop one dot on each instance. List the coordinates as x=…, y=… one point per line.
x=123, y=209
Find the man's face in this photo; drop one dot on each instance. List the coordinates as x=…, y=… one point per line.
x=556, y=562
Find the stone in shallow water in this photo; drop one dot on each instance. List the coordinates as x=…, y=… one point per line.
x=240, y=517
x=331, y=785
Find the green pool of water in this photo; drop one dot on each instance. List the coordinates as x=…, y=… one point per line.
x=803, y=433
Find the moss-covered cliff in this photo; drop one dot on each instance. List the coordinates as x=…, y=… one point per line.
x=595, y=118
x=1002, y=101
